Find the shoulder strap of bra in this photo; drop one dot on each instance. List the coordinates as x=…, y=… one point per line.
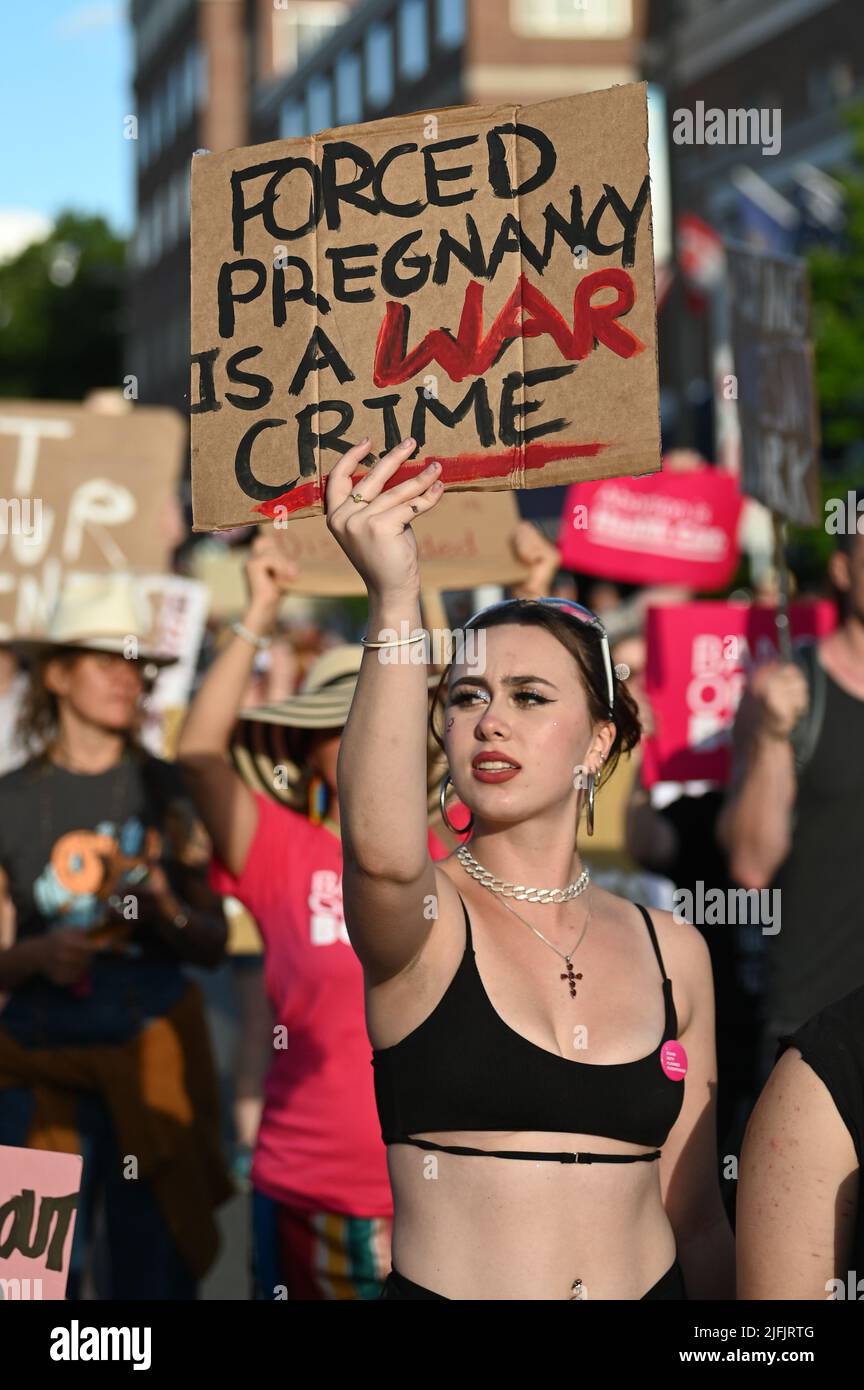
x=653, y=935
x=469, y=944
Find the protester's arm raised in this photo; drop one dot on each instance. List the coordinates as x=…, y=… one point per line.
x=388, y=873
x=755, y=825
x=225, y=804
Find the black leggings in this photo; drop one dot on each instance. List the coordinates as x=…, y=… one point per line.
x=669, y=1285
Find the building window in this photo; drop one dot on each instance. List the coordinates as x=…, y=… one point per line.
x=202, y=77
x=169, y=232
x=379, y=65
x=169, y=110
x=292, y=119
x=155, y=124
x=186, y=190
x=144, y=136
x=155, y=242
x=349, y=94
x=299, y=28
x=181, y=211
x=413, y=40
x=584, y=19
x=178, y=86
x=190, y=80
x=142, y=239
x=450, y=23
x=319, y=103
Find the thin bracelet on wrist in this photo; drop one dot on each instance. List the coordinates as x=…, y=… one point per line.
x=402, y=642
x=260, y=643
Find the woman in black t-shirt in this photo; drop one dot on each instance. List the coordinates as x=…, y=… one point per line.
x=800, y=1214
x=103, y=1039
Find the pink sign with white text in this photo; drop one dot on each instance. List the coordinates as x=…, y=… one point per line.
x=699, y=658
x=667, y=528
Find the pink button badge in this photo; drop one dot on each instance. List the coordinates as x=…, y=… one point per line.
x=673, y=1060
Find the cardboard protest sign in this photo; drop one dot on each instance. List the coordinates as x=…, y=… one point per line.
x=464, y=541
x=774, y=369
x=671, y=528
x=179, y=619
x=699, y=658
x=479, y=278
x=38, y=1201
x=81, y=491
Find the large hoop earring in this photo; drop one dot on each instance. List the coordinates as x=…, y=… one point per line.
x=589, y=815
x=442, y=794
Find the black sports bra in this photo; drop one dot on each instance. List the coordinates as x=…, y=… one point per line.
x=464, y=1068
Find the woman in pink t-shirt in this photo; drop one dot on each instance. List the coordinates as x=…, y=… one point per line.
x=321, y=1201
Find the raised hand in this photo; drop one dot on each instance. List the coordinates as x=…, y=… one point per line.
x=375, y=532
x=781, y=689
x=269, y=574
x=542, y=558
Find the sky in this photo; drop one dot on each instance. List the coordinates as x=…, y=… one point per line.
x=66, y=88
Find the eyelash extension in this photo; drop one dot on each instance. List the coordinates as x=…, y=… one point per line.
x=533, y=695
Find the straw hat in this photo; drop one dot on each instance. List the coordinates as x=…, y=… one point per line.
x=97, y=612
x=267, y=746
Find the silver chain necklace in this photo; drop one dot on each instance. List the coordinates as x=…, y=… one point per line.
x=518, y=890
x=571, y=977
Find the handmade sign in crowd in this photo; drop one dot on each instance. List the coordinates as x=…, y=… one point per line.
x=699, y=658
x=463, y=542
x=672, y=528
x=80, y=491
x=179, y=607
x=480, y=279
x=38, y=1202
x=774, y=371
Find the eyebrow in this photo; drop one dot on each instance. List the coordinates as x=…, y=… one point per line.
x=506, y=680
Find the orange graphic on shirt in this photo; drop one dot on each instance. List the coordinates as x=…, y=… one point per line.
x=85, y=862
x=78, y=860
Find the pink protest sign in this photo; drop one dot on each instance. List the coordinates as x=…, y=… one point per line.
x=667, y=528
x=699, y=657
x=38, y=1200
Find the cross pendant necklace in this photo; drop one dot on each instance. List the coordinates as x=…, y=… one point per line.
x=571, y=976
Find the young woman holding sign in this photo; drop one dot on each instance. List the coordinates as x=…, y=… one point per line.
x=321, y=1202
x=478, y=1012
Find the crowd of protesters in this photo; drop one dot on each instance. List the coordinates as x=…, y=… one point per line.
x=304, y=762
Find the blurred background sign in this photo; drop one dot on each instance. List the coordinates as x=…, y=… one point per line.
x=81, y=490
x=672, y=528
x=699, y=657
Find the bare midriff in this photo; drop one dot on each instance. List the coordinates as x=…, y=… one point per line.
x=499, y=1228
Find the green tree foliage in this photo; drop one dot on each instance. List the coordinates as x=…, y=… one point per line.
x=60, y=312
x=837, y=280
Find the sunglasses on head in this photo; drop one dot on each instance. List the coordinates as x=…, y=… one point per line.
x=577, y=611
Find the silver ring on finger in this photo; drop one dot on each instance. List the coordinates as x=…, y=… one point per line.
x=415, y=509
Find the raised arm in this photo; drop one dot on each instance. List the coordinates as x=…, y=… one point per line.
x=225, y=804
x=755, y=825
x=388, y=874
